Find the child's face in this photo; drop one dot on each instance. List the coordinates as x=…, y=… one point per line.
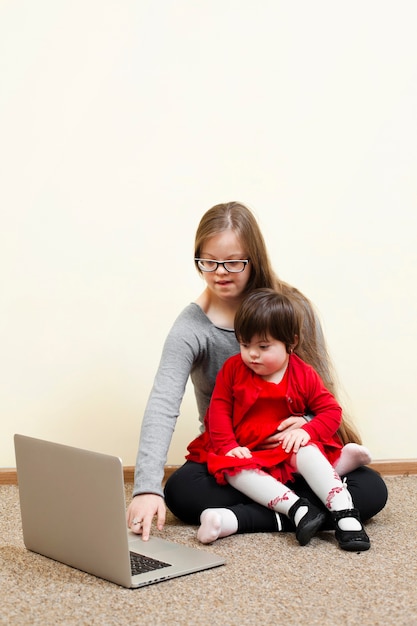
x=223, y=284
x=265, y=357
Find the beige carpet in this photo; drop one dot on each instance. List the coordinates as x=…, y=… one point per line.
x=268, y=578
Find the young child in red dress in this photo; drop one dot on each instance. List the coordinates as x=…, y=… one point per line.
x=257, y=389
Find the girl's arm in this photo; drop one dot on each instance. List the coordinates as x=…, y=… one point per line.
x=163, y=407
x=158, y=425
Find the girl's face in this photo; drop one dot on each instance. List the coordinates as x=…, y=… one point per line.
x=267, y=358
x=223, y=247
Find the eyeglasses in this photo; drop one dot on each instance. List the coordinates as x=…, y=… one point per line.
x=232, y=265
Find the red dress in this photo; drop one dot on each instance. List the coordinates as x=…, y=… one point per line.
x=245, y=410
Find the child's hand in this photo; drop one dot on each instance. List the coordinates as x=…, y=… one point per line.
x=240, y=453
x=295, y=439
x=274, y=440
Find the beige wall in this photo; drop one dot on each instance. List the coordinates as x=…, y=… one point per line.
x=122, y=122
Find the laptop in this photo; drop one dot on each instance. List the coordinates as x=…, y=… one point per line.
x=73, y=510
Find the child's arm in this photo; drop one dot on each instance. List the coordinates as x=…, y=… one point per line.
x=219, y=416
x=324, y=406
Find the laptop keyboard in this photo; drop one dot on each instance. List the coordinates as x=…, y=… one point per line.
x=140, y=564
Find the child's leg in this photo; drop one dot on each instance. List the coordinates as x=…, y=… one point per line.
x=322, y=478
x=216, y=523
x=327, y=485
x=266, y=490
x=352, y=456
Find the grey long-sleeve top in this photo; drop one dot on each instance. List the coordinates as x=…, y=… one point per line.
x=194, y=347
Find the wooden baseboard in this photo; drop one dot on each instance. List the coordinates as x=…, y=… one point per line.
x=8, y=477
x=400, y=467
x=390, y=467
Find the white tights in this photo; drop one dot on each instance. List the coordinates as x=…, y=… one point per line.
x=269, y=492
x=316, y=470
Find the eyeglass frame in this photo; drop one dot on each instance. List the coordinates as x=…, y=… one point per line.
x=244, y=261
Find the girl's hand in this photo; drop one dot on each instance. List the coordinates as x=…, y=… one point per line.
x=240, y=453
x=141, y=512
x=284, y=428
x=293, y=440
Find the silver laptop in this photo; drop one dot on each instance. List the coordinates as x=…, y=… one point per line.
x=73, y=510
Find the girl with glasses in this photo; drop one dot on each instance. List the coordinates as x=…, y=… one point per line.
x=231, y=256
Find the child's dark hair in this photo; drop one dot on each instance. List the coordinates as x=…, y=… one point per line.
x=268, y=313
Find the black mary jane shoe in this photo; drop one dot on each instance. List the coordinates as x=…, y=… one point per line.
x=309, y=524
x=351, y=540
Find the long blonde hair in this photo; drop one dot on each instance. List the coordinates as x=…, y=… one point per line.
x=312, y=345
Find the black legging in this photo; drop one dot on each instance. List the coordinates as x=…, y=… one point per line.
x=191, y=489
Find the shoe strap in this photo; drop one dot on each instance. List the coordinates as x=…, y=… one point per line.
x=338, y=515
